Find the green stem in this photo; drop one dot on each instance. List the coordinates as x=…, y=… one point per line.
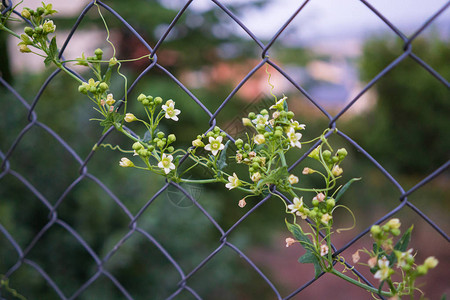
x=360, y=284
x=4, y=28
x=199, y=180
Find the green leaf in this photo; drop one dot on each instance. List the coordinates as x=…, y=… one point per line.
x=344, y=188
x=402, y=244
x=274, y=176
x=53, y=48
x=311, y=258
x=222, y=161
x=299, y=235
x=285, y=106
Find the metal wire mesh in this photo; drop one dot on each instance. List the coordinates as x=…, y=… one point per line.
x=185, y=275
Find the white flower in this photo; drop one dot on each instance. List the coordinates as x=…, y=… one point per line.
x=298, y=203
x=256, y=177
x=326, y=218
x=171, y=112
x=260, y=119
x=294, y=138
x=109, y=99
x=279, y=104
x=125, y=162
x=384, y=272
x=404, y=257
x=297, y=126
x=48, y=26
x=259, y=139
x=323, y=250
x=293, y=179
x=337, y=171
x=215, y=145
x=166, y=163
x=233, y=182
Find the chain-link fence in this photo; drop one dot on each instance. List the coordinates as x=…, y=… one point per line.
x=138, y=226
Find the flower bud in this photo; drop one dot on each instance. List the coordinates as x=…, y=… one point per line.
x=24, y=48
x=129, y=117
x=252, y=115
x=82, y=89
x=29, y=31
x=290, y=242
x=394, y=223
x=112, y=61
x=39, y=30
x=342, y=153
x=171, y=138
x=141, y=97
x=103, y=86
x=198, y=143
x=99, y=53
x=306, y=171
x=242, y=203
x=431, y=262
x=126, y=163
x=136, y=146
x=422, y=270
x=26, y=14
x=158, y=100
x=170, y=149
x=239, y=143
x=290, y=115
x=247, y=122
x=40, y=11
x=375, y=230
x=395, y=232
x=331, y=203
x=264, y=112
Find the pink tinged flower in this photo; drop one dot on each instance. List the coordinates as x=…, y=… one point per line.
x=306, y=171
x=372, y=262
x=297, y=205
x=171, y=112
x=323, y=250
x=215, y=145
x=294, y=138
x=256, y=177
x=233, y=182
x=166, y=163
x=289, y=242
x=129, y=117
x=355, y=257
x=242, y=203
x=320, y=197
x=384, y=272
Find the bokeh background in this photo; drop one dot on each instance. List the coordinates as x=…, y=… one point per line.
x=331, y=49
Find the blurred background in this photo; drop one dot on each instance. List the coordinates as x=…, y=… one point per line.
x=331, y=49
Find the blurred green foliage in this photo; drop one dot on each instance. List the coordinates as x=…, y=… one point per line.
x=409, y=124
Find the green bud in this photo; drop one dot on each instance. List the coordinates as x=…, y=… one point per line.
x=334, y=159
x=141, y=97
x=278, y=133
x=160, y=134
x=264, y=112
x=29, y=31
x=143, y=152
x=266, y=135
x=210, y=134
x=331, y=203
x=223, y=134
x=255, y=165
x=410, y=260
x=251, y=170
x=251, y=115
x=93, y=89
x=422, y=270
x=113, y=61
x=239, y=143
x=395, y=232
x=290, y=115
x=342, y=153
x=160, y=144
x=312, y=214
x=40, y=11
x=39, y=30
x=260, y=127
x=103, y=86
x=99, y=53
x=386, y=228
x=26, y=14
x=136, y=146
x=247, y=146
x=145, y=102
x=151, y=148
x=375, y=230
x=82, y=89
x=216, y=130
x=315, y=202
x=171, y=138
x=283, y=114
x=170, y=149
x=158, y=100
x=150, y=98
x=155, y=140
x=326, y=155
